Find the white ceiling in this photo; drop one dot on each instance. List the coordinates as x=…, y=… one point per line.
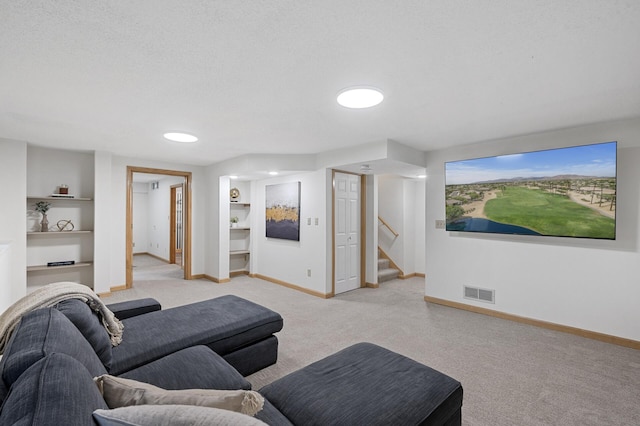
x=261, y=77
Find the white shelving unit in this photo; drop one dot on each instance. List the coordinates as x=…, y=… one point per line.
x=239, y=239
x=58, y=245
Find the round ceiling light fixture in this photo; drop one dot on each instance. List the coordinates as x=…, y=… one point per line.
x=360, y=97
x=180, y=137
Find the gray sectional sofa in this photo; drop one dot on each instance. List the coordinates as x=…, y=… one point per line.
x=48, y=367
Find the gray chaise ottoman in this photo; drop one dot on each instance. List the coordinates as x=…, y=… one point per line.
x=366, y=384
x=240, y=331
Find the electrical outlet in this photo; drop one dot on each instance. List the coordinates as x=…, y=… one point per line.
x=308, y=272
x=317, y=221
x=439, y=224
x=308, y=221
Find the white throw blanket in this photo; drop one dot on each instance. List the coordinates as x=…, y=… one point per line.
x=49, y=296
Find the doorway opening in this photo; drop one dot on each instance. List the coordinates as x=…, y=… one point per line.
x=184, y=222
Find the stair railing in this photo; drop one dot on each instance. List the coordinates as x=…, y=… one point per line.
x=384, y=222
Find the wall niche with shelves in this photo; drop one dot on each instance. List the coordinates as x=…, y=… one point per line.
x=70, y=236
x=239, y=232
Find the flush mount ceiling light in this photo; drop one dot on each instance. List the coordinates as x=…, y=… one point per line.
x=273, y=173
x=360, y=97
x=180, y=137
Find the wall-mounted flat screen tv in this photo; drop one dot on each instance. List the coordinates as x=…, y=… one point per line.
x=564, y=192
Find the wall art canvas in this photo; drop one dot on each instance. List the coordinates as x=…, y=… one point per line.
x=283, y=211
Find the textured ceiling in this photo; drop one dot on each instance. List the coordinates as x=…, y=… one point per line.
x=261, y=77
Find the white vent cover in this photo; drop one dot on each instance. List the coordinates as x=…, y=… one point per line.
x=481, y=294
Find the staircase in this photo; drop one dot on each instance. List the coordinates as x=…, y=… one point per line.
x=385, y=270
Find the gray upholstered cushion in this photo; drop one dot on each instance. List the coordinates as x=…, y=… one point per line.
x=132, y=308
x=3, y=391
x=89, y=324
x=196, y=367
x=366, y=384
x=56, y=390
x=43, y=332
x=224, y=324
x=172, y=415
x=271, y=416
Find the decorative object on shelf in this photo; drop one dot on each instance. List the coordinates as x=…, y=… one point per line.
x=65, y=225
x=234, y=194
x=283, y=211
x=43, y=207
x=63, y=189
x=62, y=263
x=234, y=221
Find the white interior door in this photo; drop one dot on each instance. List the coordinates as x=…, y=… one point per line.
x=347, y=232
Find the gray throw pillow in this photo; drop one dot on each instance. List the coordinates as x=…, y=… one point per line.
x=172, y=415
x=119, y=392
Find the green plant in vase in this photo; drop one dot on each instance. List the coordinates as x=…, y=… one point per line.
x=234, y=221
x=43, y=207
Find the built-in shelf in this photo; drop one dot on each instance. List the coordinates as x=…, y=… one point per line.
x=56, y=233
x=235, y=252
x=53, y=268
x=75, y=244
x=34, y=197
x=240, y=236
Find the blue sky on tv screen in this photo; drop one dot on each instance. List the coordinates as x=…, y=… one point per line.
x=597, y=160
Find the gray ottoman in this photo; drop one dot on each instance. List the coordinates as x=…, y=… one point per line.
x=240, y=331
x=366, y=384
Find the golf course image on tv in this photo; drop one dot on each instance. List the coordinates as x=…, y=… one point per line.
x=563, y=192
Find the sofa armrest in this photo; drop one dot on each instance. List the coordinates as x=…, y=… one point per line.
x=132, y=308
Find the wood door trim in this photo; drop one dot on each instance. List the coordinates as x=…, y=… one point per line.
x=187, y=214
x=172, y=224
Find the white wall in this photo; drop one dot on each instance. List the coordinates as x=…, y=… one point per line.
x=286, y=260
x=140, y=217
x=105, y=226
x=371, y=215
x=419, y=220
x=13, y=226
x=588, y=284
x=159, y=217
x=49, y=168
x=6, y=298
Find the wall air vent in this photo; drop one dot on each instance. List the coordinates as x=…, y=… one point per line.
x=480, y=294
